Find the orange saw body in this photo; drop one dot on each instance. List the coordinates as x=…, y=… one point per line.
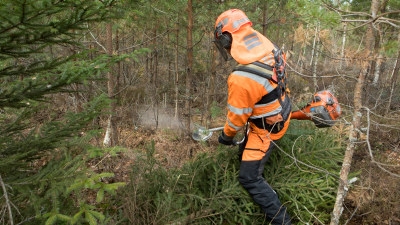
x=323, y=110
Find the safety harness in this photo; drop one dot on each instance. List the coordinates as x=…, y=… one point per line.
x=278, y=76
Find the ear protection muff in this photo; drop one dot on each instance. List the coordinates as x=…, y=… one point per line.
x=224, y=39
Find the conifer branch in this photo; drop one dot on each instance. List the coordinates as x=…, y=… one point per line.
x=298, y=162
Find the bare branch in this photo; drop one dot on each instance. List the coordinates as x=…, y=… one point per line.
x=97, y=42
x=370, y=149
x=387, y=21
x=8, y=202
x=310, y=76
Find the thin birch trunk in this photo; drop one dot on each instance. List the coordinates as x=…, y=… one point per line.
x=393, y=78
x=315, y=57
x=111, y=137
x=189, y=63
x=347, y=160
x=313, y=47
x=342, y=56
x=353, y=133
x=176, y=71
x=315, y=65
x=154, y=72
x=377, y=70
x=211, y=85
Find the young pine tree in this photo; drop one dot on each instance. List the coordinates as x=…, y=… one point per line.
x=42, y=150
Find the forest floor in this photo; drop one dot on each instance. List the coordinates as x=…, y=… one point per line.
x=373, y=199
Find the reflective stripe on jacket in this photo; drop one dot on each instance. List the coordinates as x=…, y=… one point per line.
x=245, y=90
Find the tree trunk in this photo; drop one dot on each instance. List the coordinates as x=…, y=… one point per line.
x=393, y=79
x=314, y=61
x=353, y=133
x=177, y=71
x=313, y=47
x=111, y=137
x=342, y=53
x=211, y=86
x=377, y=70
x=189, y=64
x=154, y=72
x=118, y=70
x=264, y=19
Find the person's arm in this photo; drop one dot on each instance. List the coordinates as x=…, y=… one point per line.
x=300, y=114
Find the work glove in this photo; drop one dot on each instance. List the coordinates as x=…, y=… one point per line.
x=225, y=140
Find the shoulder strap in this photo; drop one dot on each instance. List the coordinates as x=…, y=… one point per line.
x=265, y=71
x=258, y=68
x=275, y=74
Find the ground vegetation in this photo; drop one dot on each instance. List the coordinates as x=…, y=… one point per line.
x=98, y=100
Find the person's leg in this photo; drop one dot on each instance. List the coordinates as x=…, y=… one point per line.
x=250, y=177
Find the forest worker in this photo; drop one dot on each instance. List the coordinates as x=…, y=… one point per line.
x=251, y=97
x=257, y=97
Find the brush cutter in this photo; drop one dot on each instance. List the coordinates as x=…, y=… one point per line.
x=203, y=134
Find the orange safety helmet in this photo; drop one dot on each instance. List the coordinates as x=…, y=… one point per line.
x=227, y=23
x=234, y=33
x=231, y=21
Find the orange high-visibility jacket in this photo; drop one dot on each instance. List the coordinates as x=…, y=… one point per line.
x=245, y=90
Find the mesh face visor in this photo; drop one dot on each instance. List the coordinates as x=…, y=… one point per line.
x=222, y=41
x=221, y=49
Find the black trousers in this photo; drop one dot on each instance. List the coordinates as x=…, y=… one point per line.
x=251, y=178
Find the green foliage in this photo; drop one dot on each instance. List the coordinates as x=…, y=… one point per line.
x=391, y=48
x=361, y=5
x=303, y=170
x=205, y=190
x=312, y=12
x=44, y=151
x=94, y=182
x=35, y=142
x=66, y=191
x=63, y=184
x=309, y=161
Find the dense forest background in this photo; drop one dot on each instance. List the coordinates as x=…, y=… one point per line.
x=98, y=100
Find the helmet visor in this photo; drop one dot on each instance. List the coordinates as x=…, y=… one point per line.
x=221, y=49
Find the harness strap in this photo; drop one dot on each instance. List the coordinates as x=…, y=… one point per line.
x=275, y=128
x=263, y=65
x=267, y=72
x=270, y=97
x=260, y=69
